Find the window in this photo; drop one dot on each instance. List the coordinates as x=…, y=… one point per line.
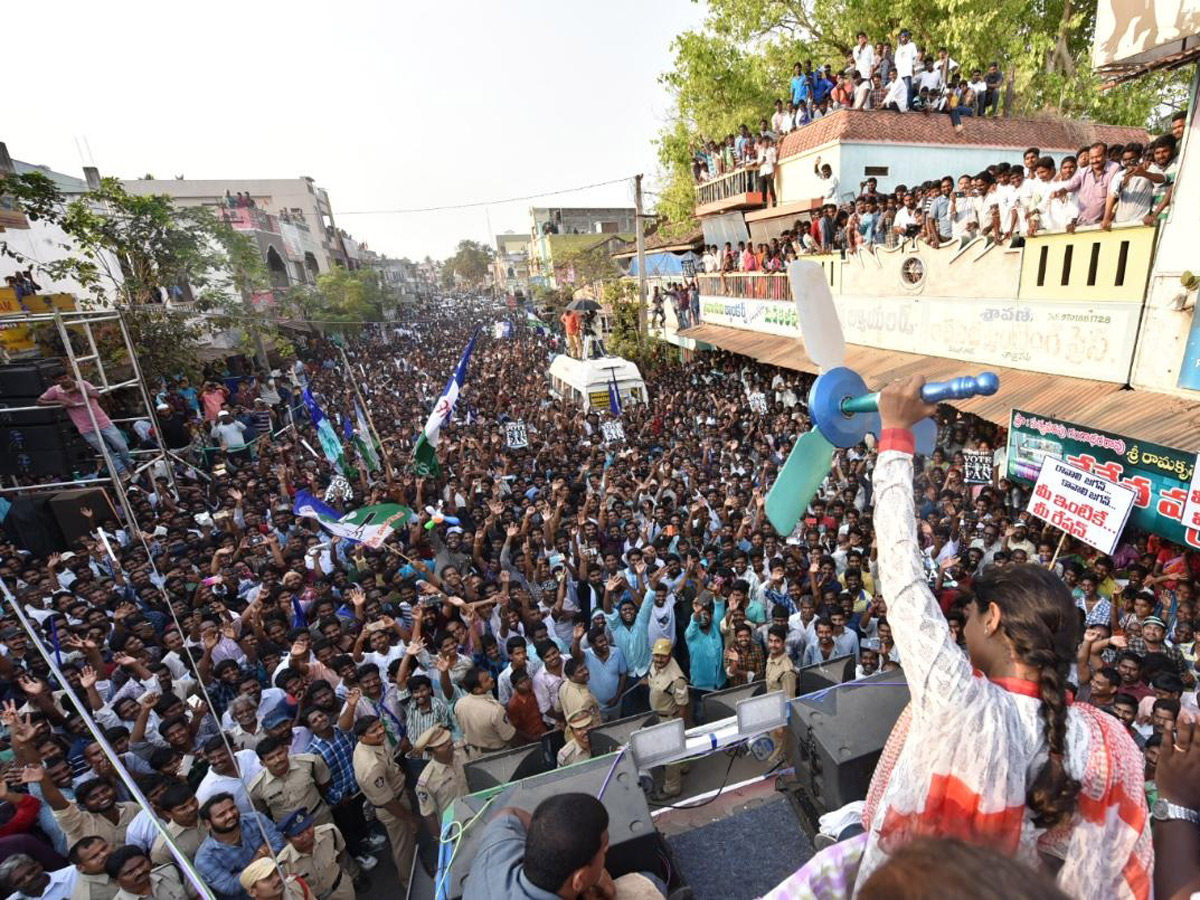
x=877, y=171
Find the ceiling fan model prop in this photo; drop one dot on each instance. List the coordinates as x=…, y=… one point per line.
x=841, y=408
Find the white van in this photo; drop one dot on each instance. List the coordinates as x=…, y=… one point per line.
x=586, y=381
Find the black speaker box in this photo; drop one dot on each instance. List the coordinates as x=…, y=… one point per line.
x=29, y=379
x=610, y=737
x=723, y=704
x=14, y=439
x=495, y=769
x=837, y=735
x=633, y=841
x=65, y=506
x=60, y=461
x=45, y=415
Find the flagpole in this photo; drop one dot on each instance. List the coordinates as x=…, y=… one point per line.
x=387, y=463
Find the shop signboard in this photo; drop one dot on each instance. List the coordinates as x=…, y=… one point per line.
x=1159, y=475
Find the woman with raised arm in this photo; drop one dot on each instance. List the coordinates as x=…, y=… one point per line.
x=991, y=749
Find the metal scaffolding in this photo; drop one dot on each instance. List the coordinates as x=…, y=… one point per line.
x=82, y=322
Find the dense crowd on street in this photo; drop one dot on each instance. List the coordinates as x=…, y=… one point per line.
x=281, y=694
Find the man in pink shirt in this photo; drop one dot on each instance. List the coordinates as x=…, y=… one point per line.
x=77, y=397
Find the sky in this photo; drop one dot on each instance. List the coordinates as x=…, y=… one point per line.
x=387, y=106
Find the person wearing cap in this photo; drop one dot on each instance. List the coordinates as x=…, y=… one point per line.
x=261, y=880
x=173, y=426
x=140, y=879
x=382, y=782
x=280, y=722
x=443, y=780
x=290, y=781
x=578, y=746
x=317, y=854
x=1153, y=639
x=484, y=722
x=670, y=698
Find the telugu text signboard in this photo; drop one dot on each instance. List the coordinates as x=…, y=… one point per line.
x=1086, y=506
x=1158, y=475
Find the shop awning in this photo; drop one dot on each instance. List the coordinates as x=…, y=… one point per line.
x=1144, y=415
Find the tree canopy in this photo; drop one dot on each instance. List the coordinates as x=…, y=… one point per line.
x=472, y=261
x=731, y=70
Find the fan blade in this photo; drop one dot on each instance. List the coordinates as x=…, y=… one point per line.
x=819, y=325
x=807, y=466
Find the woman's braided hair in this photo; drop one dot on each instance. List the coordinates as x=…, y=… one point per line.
x=1039, y=616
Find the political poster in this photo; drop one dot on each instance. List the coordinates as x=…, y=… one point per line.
x=758, y=403
x=1191, y=508
x=1159, y=475
x=516, y=436
x=613, y=431
x=1086, y=506
x=977, y=467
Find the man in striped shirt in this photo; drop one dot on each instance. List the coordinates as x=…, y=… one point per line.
x=335, y=745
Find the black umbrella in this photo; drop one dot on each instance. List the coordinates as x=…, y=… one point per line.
x=583, y=304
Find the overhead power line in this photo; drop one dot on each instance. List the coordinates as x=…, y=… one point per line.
x=477, y=203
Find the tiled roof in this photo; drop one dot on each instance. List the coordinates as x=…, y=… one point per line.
x=858, y=126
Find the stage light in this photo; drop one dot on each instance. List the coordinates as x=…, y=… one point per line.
x=763, y=713
x=658, y=744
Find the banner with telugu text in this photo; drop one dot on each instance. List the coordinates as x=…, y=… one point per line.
x=1159, y=475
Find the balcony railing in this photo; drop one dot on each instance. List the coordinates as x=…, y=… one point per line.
x=249, y=218
x=736, y=190
x=746, y=285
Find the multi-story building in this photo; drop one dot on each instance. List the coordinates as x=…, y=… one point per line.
x=291, y=221
x=511, y=265
x=558, y=233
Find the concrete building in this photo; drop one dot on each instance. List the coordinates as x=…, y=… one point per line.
x=292, y=221
x=41, y=242
x=580, y=220
x=512, y=262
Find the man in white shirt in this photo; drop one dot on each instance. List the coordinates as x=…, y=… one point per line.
x=222, y=777
x=779, y=118
x=896, y=97
x=906, y=218
x=229, y=433
x=829, y=184
x=862, y=92
x=930, y=79
x=864, y=57
x=767, y=155
x=905, y=59
x=963, y=223
x=1131, y=194
x=24, y=878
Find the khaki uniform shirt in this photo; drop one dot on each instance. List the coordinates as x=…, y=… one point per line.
x=279, y=796
x=188, y=839
x=377, y=773
x=440, y=785
x=165, y=884
x=94, y=887
x=571, y=752
x=484, y=723
x=668, y=689
x=77, y=823
x=321, y=868
x=573, y=697
x=781, y=675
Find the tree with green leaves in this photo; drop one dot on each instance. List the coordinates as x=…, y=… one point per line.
x=127, y=250
x=341, y=297
x=472, y=261
x=731, y=70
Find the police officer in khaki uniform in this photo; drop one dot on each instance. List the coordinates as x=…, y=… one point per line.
x=317, y=853
x=130, y=867
x=290, y=782
x=382, y=783
x=579, y=745
x=483, y=720
x=669, y=698
x=443, y=779
x=781, y=676
x=183, y=823
x=89, y=855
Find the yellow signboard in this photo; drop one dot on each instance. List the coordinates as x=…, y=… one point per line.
x=15, y=336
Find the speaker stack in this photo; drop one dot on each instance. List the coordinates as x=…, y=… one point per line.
x=37, y=442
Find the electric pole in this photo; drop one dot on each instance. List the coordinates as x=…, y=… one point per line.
x=639, y=227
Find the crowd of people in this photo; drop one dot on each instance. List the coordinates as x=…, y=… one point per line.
x=289, y=701
x=872, y=77
x=1101, y=185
